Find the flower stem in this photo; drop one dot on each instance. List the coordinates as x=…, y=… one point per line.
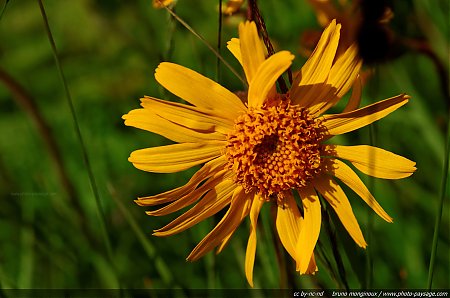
x=79, y=135
x=219, y=41
x=437, y=224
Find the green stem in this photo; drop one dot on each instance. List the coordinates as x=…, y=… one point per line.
x=437, y=224
x=369, y=259
x=79, y=136
x=219, y=41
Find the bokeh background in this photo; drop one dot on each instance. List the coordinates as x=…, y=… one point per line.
x=51, y=226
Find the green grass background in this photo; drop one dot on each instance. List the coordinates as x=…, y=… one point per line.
x=109, y=50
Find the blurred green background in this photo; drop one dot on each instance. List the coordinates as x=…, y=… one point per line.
x=50, y=230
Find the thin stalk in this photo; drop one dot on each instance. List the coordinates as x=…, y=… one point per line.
x=29, y=105
x=4, y=9
x=437, y=224
x=180, y=20
x=219, y=41
x=79, y=136
x=161, y=267
x=255, y=15
x=369, y=259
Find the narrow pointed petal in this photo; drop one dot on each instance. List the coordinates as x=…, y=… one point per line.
x=176, y=157
x=311, y=79
x=210, y=204
x=252, y=49
x=251, y=245
x=266, y=76
x=191, y=197
x=341, y=77
x=199, y=90
x=209, y=169
x=228, y=237
x=374, y=161
x=289, y=223
x=345, y=122
x=336, y=197
x=234, y=46
x=239, y=208
x=312, y=267
x=309, y=234
x=344, y=173
x=355, y=98
x=149, y=121
x=189, y=116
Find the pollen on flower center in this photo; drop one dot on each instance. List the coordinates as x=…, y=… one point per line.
x=275, y=148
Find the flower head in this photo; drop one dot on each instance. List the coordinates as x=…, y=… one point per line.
x=263, y=148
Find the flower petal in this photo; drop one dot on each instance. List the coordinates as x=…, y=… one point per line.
x=189, y=116
x=209, y=169
x=199, y=90
x=251, y=245
x=252, y=49
x=266, y=76
x=336, y=197
x=228, y=237
x=176, y=157
x=193, y=196
x=234, y=46
x=309, y=81
x=210, y=204
x=355, y=98
x=344, y=173
x=239, y=208
x=341, y=77
x=289, y=223
x=374, y=161
x=341, y=123
x=148, y=120
x=309, y=234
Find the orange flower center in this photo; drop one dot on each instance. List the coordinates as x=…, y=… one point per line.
x=274, y=148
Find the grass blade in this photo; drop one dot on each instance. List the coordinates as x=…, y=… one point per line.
x=79, y=136
x=437, y=224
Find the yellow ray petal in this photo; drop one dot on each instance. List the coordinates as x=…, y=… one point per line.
x=239, y=208
x=312, y=267
x=227, y=238
x=344, y=173
x=208, y=170
x=309, y=81
x=374, y=161
x=199, y=90
x=149, y=121
x=193, y=196
x=341, y=77
x=289, y=223
x=234, y=46
x=341, y=123
x=210, y=204
x=355, y=98
x=266, y=76
x=192, y=117
x=176, y=157
x=252, y=49
x=310, y=228
x=336, y=197
x=251, y=245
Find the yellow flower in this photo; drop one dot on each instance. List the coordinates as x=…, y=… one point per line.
x=265, y=148
x=232, y=6
x=162, y=3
